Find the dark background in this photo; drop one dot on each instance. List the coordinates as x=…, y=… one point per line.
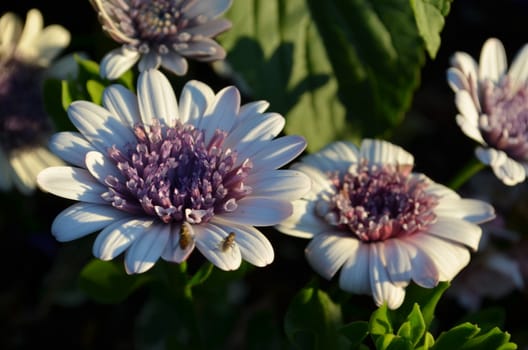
x=40, y=304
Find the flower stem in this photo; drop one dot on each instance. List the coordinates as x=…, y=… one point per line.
x=473, y=167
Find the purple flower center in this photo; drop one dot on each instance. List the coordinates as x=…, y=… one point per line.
x=23, y=119
x=377, y=203
x=156, y=25
x=173, y=174
x=505, y=125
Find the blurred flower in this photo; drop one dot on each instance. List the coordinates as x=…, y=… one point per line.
x=26, y=54
x=369, y=215
x=161, y=176
x=493, y=106
x=161, y=32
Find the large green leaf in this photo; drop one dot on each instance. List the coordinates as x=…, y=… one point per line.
x=430, y=20
x=337, y=69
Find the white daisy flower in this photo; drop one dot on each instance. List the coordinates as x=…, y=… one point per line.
x=161, y=33
x=382, y=225
x=492, y=102
x=160, y=176
x=27, y=52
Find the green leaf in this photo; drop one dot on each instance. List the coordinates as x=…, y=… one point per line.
x=356, y=332
x=414, y=328
x=53, y=97
x=337, y=69
x=393, y=342
x=95, y=90
x=313, y=321
x=428, y=341
x=456, y=336
x=467, y=336
x=201, y=275
x=429, y=15
x=491, y=340
x=107, y=281
x=380, y=322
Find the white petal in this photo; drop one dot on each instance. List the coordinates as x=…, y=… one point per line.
x=472, y=210
x=259, y=211
x=424, y=271
x=506, y=169
x=209, y=239
x=100, y=167
x=25, y=170
x=467, y=65
x=207, y=8
x=457, y=80
x=10, y=30
x=221, y=113
x=397, y=261
x=71, y=183
x=174, y=63
x=383, y=290
x=82, y=219
x=194, y=99
x=99, y=125
x=384, y=152
x=147, y=248
x=252, y=109
x=303, y=222
x=71, y=147
x=32, y=29
x=466, y=107
x=469, y=128
x=327, y=252
x=173, y=251
x=320, y=184
x=278, y=152
x=255, y=248
x=117, y=62
x=123, y=103
x=50, y=43
x=457, y=230
x=449, y=258
x=279, y=184
x=247, y=138
x=337, y=156
x=150, y=60
x=355, y=273
x=518, y=72
x=492, y=63
x=441, y=191
x=120, y=235
x=211, y=28
x=156, y=98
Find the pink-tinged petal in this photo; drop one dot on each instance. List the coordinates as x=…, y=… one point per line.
x=472, y=210
x=211, y=28
x=355, y=273
x=100, y=167
x=424, y=271
x=206, y=8
x=82, y=219
x=279, y=184
x=397, y=261
x=255, y=248
x=327, y=252
x=506, y=169
x=115, y=63
x=209, y=240
x=117, y=237
x=71, y=183
x=492, y=63
x=173, y=251
x=456, y=230
x=518, y=72
x=99, y=126
x=384, y=152
x=194, y=99
x=337, y=156
x=252, y=109
x=278, y=152
x=147, y=248
x=150, y=60
x=221, y=113
x=303, y=223
x=156, y=98
x=448, y=257
x=71, y=147
x=383, y=291
x=174, y=63
x=257, y=211
x=123, y=103
x=247, y=138
x=457, y=81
